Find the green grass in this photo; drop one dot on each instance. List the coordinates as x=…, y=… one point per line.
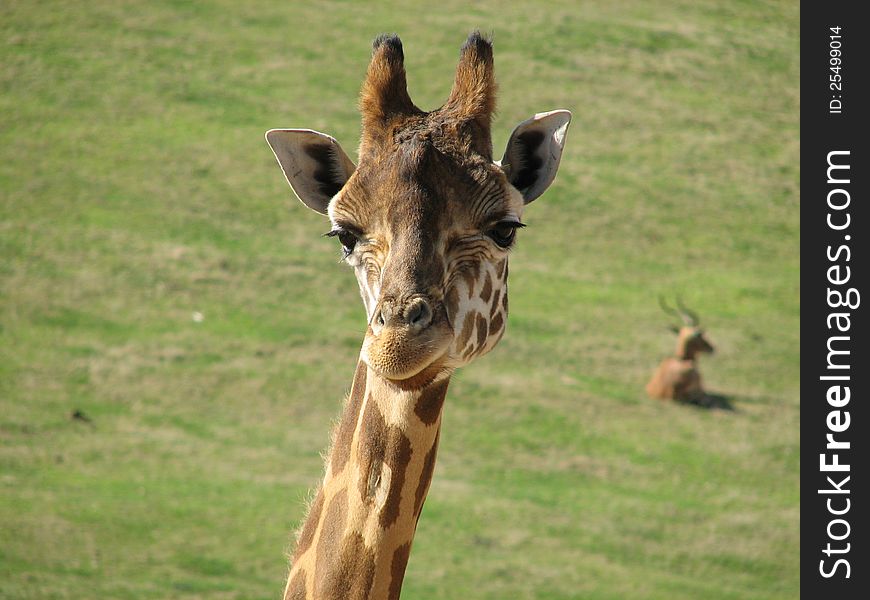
x=136, y=188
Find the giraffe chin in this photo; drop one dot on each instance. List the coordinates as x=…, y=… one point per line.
x=403, y=356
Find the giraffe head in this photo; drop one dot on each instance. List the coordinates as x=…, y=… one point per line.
x=427, y=218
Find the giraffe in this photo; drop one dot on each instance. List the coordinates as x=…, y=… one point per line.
x=426, y=220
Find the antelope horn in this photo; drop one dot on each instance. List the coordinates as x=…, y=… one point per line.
x=692, y=316
x=672, y=311
x=666, y=308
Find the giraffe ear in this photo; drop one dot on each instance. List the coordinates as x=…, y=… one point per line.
x=314, y=164
x=533, y=152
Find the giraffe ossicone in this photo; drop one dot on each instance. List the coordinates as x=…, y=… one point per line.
x=426, y=219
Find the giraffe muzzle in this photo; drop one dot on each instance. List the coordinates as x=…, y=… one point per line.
x=406, y=336
x=415, y=314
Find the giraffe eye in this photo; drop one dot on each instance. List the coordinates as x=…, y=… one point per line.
x=347, y=238
x=503, y=233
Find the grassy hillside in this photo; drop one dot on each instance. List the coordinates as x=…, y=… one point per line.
x=136, y=189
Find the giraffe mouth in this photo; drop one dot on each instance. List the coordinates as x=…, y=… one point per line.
x=400, y=353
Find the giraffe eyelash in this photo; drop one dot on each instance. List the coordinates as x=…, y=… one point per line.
x=348, y=239
x=503, y=233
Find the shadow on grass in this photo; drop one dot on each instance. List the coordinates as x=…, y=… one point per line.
x=712, y=401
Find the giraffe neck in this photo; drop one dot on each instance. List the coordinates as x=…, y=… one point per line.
x=356, y=540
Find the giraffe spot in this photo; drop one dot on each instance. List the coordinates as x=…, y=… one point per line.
x=428, y=406
x=504, y=302
x=452, y=301
x=344, y=434
x=311, y=522
x=397, y=570
x=398, y=455
x=471, y=275
x=501, y=267
x=486, y=290
x=426, y=476
x=418, y=381
x=331, y=535
x=497, y=323
x=466, y=329
x=482, y=331
x=372, y=442
x=296, y=587
x=351, y=571
x=495, y=304
x=381, y=445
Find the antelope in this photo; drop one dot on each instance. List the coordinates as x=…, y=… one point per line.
x=677, y=377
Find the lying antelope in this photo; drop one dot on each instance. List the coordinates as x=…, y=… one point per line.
x=677, y=377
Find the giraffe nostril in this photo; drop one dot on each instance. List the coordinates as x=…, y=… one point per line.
x=418, y=314
x=379, y=321
x=415, y=313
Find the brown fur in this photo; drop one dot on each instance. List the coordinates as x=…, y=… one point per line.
x=398, y=456
x=496, y=323
x=351, y=576
x=428, y=406
x=331, y=535
x=486, y=292
x=426, y=477
x=306, y=536
x=296, y=587
x=372, y=446
x=344, y=432
x=399, y=564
